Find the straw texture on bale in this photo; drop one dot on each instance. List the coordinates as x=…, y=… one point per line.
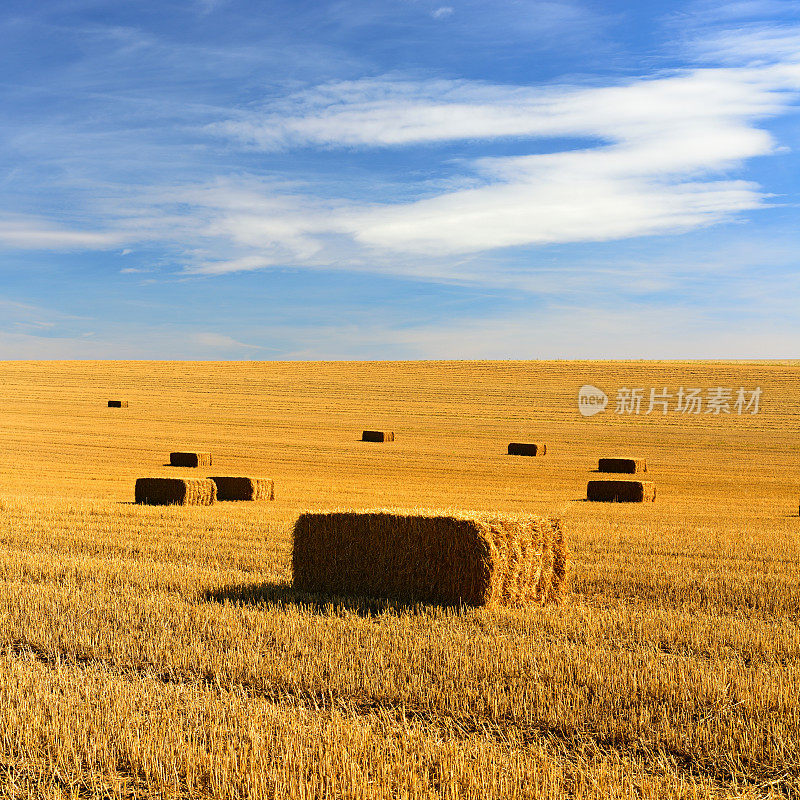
x=429, y=556
x=230, y=488
x=175, y=491
x=628, y=465
x=377, y=436
x=621, y=491
x=523, y=449
x=190, y=459
x=117, y=403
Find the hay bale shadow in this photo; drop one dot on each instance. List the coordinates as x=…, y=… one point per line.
x=283, y=595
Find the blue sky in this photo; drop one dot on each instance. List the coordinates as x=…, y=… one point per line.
x=221, y=179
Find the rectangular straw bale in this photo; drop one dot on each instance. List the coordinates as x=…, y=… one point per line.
x=190, y=459
x=377, y=436
x=230, y=488
x=429, y=556
x=621, y=491
x=175, y=491
x=117, y=403
x=627, y=465
x=523, y=449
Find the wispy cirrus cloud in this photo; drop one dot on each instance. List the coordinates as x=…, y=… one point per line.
x=220, y=341
x=654, y=158
x=652, y=155
x=726, y=11
x=390, y=112
x=755, y=45
x=27, y=233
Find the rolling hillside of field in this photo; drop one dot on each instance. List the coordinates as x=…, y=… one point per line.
x=161, y=651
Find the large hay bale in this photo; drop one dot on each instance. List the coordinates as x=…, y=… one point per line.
x=628, y=465
x=621, y=491
x=229, y=488
x=429, y=556
x=190, y=459
x=117, y=403
x=377, y=436
x=523, y=449
x=175, y=491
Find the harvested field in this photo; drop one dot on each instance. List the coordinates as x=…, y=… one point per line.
x=242, y=488
x=161, y=651
x=428, y=556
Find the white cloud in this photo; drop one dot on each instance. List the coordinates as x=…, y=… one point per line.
x=207, y=6
x=589, y=332
x=567, y=331
x=392, y=113
x=24, y=316
x=219, y=340
x=650, y=156
x=140, y=342
x=442, y=12
x=551, y=212
x=714, y=10
x=35, y=234
x=655, y=158
x=243, y=264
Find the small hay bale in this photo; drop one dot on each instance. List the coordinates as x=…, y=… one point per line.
x=175, y=491
x=190, y=459
x=621, y=491
x=117, y=403
x=523, y=449
x=628, y=465
x=377, y=436
x=428, y=556
x=244, y=488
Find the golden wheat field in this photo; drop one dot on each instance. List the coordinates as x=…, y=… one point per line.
x=161, y=652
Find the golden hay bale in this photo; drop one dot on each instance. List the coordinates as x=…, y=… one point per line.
x=628, y=465
x=428, y=556
x=522, y=449
x=244, y=488
x=621, y=491
x=175, y=491
x=377, y=436
x=190, y=459
x=117, y=403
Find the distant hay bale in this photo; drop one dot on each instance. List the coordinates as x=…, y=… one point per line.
x=621, y=491
x=523, y=449
x=429, y=556
x=628, y=465
x=117, y=403
x=229, y=488
x=377, y=436
x=175, y=491
x=190, y=459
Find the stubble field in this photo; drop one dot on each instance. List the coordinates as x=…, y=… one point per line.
x=161, y=652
